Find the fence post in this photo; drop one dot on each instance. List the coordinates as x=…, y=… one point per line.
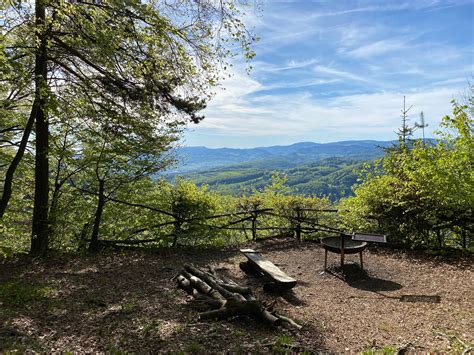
x=298, y=223
x=254, y=223
x=177, y=229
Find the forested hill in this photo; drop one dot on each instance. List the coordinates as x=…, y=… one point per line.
x=199, y=158
x=311, y=168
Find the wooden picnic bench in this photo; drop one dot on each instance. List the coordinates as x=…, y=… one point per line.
x=257, y=263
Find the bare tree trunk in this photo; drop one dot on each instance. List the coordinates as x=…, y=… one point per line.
x=94, y=245
x=40, y=232
x=7, y=187
x=53, y=210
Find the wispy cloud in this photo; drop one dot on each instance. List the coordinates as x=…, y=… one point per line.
x=289, y=65
x=378, y=48
x=328, y=71
x=363, y=115
x=325, y=70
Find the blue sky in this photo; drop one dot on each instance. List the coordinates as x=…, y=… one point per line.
x=338, y=70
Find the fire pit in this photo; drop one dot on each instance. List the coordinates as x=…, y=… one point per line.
x=342, y=245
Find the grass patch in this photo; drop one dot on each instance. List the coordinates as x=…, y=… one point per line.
x=151, y=326
x=386, y=350
x=193, y=348
x=456, y=344
x=240, y=333
x=19, y=293
x=281, y=345
x=19, y=345
x=129, y=307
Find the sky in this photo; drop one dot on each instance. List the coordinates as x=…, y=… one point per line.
x=329, y=71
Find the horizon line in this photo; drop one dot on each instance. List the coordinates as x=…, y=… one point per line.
x=300, y=142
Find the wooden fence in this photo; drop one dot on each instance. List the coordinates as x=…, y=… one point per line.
x=249, y=220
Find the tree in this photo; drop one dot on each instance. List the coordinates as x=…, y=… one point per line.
x=422, y=124
x=421, y=194
x=405, y=131
x=132, y=62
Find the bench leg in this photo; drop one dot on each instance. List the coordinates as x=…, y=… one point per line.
x=342, y=258
x=325, y=259
x=246, y=267
x=361, y=261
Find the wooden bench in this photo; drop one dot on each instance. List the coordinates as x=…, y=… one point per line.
x=257, y=263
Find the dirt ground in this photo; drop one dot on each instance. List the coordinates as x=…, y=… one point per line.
x=127, y=302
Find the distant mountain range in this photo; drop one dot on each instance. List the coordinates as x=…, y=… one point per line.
x=318, y=169
x=193, y=159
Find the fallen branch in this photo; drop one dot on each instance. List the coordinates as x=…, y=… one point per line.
x=288, y=322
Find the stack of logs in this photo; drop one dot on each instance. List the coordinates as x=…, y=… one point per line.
x=219, y=297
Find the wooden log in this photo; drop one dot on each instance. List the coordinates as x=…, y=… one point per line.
x=209, y=280
x=221, y=313
x=204, y=303
x=250, y=297
x=243, y=290
x=288, y=322
x=239, y=297
x=205, y=289
x=230, y=284
x=270, y=318
x=213, y=272
x=184, y=284
x=252, y=309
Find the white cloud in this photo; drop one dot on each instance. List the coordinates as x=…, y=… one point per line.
x=235, y=87
x=341, y=77
x=241, y=111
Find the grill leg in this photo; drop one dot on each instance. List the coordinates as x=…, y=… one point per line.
x=342, y=250
x=361, y=261
x=325, y=259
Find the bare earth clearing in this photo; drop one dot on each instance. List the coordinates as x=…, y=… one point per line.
x=126, y=301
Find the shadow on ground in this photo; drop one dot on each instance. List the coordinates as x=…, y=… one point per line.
x=358, y=278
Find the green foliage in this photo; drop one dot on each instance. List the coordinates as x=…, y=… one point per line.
x=332, y=178
x=118, y=82
x=15, y=226
x=284, y=344
x=286, y=208
x=387, y=350
x=423, y=195
x=20, y=294
x=187, y=202
x=193, y=348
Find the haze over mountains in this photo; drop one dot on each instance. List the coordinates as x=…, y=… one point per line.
x=311, y=168
x=192, y=159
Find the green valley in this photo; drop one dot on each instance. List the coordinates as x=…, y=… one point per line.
x=332, y=177
x=311, y=169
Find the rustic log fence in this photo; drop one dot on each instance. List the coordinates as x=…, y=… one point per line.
x=299, y=224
